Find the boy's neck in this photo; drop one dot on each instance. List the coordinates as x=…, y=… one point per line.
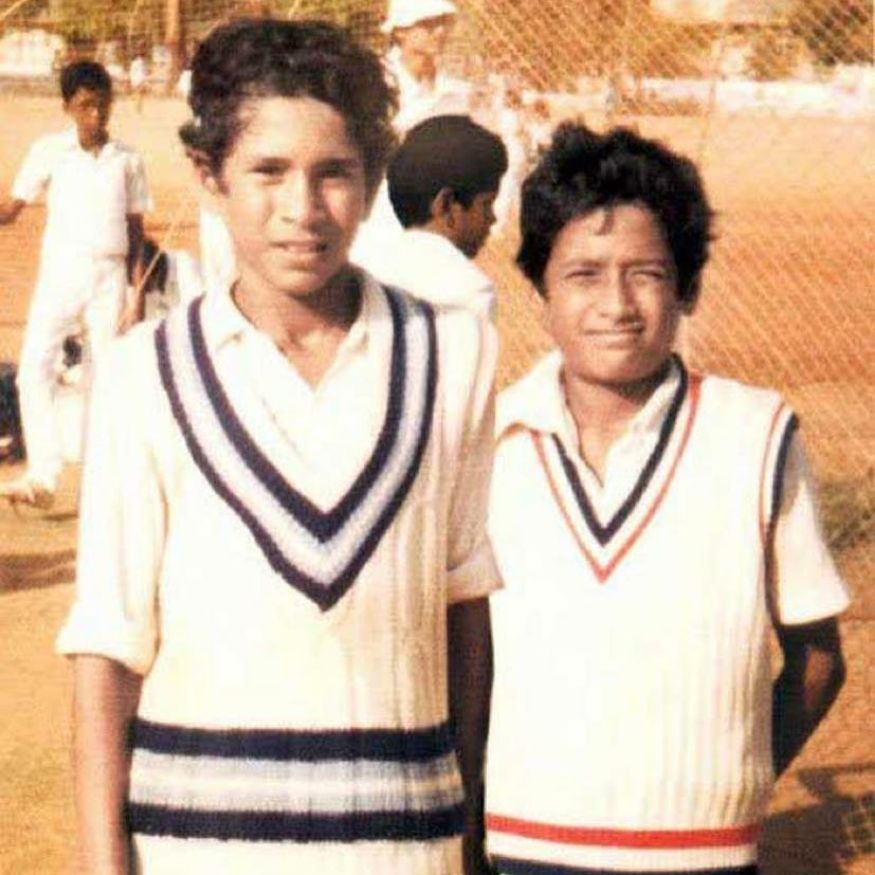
x=93, y=144
x=602, y=411
x=306, y=329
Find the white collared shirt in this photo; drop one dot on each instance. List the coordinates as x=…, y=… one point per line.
x=432, y=268
x=88, y=196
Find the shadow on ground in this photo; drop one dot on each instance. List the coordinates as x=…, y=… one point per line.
x=829, y=836
x=36, y=570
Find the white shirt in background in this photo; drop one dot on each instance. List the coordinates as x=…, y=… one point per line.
x=430, y=267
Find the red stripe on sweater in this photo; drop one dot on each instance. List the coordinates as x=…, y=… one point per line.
x=725, y=837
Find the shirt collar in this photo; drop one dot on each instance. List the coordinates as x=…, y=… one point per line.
x=223, y=322
x=70, y=138
x=537, y=401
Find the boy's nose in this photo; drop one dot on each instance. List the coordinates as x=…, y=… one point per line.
x=300, y=201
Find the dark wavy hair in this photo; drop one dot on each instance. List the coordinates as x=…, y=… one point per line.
x=84, y=74
x=262, y=57
x=582, y=171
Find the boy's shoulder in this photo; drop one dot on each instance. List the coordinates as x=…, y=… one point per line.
x=729, y=392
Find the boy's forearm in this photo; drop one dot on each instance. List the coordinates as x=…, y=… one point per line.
x=105, y=701
x=470, y=686
x=813, y=674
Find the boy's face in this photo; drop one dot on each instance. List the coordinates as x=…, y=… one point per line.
x=89, y=110
x=292, y=193
x=474, y=222
x=611, y=296
x=427, y=37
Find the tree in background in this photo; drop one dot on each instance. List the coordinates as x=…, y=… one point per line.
x=835, y=31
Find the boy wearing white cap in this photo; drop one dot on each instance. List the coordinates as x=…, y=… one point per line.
x=418, y=31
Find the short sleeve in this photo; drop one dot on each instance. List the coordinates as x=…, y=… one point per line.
x=122, y=521
x=139, y=200
x=806, y=584
x=34, y=175
x=471, y=568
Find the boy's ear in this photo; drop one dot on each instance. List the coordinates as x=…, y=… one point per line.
x=441, y=205
x=203, y=171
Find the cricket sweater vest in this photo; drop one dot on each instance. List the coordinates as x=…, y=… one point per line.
x=630, y=724
x=295, y=716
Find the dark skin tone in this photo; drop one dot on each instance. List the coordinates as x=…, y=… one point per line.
x=812, y=675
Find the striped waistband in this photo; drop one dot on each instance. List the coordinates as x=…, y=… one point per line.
x=299, y=786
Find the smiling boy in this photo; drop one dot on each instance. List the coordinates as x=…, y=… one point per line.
x=650, y=523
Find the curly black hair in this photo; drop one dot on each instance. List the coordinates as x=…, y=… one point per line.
x=262, y=57
x=582, y=171
x=84, y=74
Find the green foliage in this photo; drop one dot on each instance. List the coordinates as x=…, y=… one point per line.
x=835, y=31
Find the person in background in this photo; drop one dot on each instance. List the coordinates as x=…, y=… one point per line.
x=442, y=182
x=650, y=524
x=96, y=195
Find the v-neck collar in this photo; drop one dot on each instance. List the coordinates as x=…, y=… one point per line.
x=605, y=546
x=317, y=552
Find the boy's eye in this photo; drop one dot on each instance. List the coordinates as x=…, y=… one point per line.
x=269, y=169
x=336, y=170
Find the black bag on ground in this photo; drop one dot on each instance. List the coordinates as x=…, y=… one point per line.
x=11, y=438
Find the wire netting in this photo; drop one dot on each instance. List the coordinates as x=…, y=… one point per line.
x=773, y=99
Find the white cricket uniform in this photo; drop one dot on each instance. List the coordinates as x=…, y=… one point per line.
x=432, y=268
x=631, y=710
x=277, y=560
x=82, y=275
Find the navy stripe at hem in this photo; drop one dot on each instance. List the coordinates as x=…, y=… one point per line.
x=393, y=745
x=261, y=826
x=603, y=534
x=509, y=866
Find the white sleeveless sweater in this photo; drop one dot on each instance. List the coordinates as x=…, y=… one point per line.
x=631, y=707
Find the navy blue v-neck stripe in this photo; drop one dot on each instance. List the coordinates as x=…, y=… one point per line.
x=603, y=534
x=325, y=593
x=323, y=525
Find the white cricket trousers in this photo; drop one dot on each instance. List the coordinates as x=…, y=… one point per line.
x=88, y=296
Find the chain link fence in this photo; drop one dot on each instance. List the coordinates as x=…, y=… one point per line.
x=773, y=98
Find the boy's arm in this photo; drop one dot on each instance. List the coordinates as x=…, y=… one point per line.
x=9, y=210
x=135, y=305
x=806, y=594
x=470, y=686
x=813, y=674
x=105, y=700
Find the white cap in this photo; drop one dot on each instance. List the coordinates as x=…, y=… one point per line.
x=405, y=13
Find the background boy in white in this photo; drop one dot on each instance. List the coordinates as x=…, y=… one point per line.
x=649, y=524
x=442, y=182
x=96, y=195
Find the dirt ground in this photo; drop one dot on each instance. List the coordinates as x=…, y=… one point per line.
x=788, y=301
